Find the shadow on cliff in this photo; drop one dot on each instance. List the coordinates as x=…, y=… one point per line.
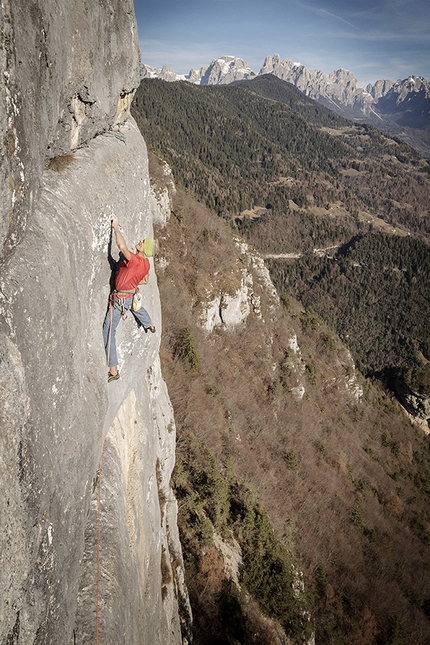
x=114, y=264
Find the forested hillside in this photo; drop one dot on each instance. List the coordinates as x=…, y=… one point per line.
x=374, y=293
x=271, y=87
x=235, y=149
x=287, y=461
x=288, y=456
x=296, y=178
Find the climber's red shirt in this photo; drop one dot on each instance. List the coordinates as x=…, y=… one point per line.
x=131, y=272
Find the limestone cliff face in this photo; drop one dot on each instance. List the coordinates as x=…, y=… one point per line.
x=68, y=77
x=68, y=73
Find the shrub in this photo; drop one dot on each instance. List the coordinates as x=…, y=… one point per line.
x=185, y=349
x=291, y=460
x=396, y=631
x=357, y=516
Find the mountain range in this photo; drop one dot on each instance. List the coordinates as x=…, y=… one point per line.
x=400, y=108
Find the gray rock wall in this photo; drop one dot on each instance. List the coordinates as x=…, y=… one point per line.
x=68, y=73
x=58, y=415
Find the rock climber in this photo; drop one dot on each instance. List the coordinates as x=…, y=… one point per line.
x=133, y=271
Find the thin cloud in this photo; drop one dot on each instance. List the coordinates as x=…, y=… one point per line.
x=380, y=36
x=397, y=16
x=384, y=6
x=323, y=12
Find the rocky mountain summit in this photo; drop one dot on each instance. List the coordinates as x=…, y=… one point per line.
x=397, y=108
x=406, y=102
x=338, y=90
x=223, y=70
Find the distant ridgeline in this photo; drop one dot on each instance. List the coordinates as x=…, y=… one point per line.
x=398, y=109
x=320, y=181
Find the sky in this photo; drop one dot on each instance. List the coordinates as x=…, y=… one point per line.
x=374, y=39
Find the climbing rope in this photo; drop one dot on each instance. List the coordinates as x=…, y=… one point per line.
x=99, y=486
x=99, y=489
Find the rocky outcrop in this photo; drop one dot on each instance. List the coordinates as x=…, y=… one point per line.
x=72, y=159
x=296, y=367
x=230, y=308
x=416, y=404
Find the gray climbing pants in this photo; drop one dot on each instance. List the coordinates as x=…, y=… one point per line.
x=111, y=322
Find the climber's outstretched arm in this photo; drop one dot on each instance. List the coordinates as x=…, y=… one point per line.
x=120, y=241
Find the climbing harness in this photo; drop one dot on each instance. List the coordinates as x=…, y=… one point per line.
x=125, y=293
x=117, y=300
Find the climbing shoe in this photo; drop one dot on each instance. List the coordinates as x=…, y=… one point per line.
x=113, y=377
